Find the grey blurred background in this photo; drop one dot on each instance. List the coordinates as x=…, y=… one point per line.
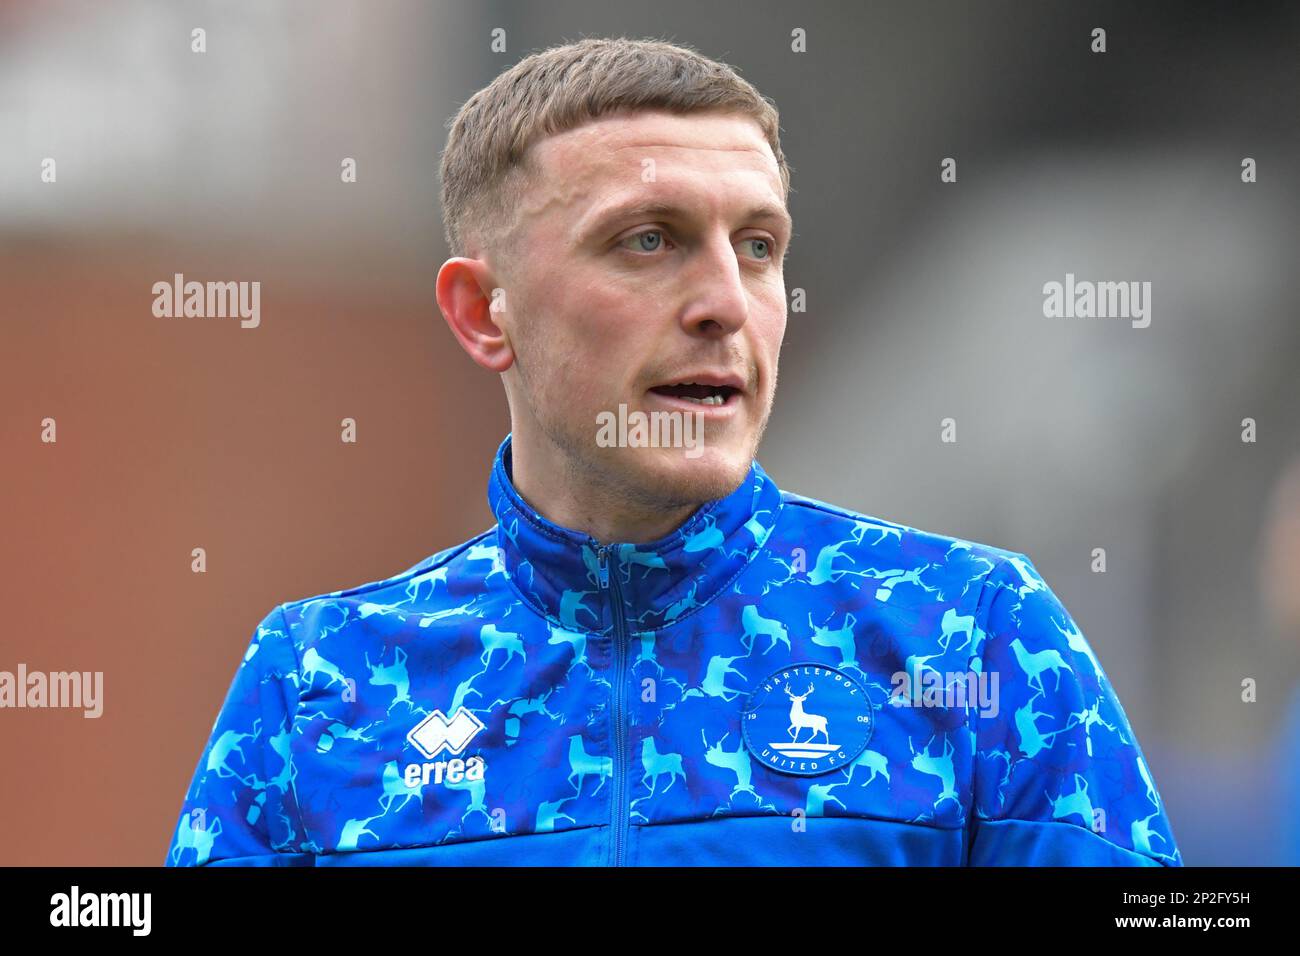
x=924, y=303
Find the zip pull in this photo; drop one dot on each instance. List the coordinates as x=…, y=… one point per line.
x=602, y=555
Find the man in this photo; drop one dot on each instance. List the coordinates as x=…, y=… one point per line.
x=656, y=656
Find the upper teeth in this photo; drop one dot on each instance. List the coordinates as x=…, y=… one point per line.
x=710, y=400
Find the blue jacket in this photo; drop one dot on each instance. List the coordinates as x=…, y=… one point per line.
x=778, y=681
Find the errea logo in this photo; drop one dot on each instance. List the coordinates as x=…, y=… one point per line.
x=436, y=734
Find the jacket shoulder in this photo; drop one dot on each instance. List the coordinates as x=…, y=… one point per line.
x=875, y=532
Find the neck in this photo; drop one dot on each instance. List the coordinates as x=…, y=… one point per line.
x=587, y=501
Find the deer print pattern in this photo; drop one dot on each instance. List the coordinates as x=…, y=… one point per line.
x=601, y=691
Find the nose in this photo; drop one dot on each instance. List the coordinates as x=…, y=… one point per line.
x=719, y=305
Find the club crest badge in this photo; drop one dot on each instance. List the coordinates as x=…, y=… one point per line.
x=807, y=719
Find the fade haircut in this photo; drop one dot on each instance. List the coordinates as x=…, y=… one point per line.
x=486, y=166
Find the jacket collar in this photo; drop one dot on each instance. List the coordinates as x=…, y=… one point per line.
x=557, y=570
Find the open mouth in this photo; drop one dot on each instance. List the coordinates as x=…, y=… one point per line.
x=697, y=393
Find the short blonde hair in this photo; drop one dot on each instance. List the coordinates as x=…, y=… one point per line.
x=486, y=165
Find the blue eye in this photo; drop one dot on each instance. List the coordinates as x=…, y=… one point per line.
x=763, y=244
x=656, y=234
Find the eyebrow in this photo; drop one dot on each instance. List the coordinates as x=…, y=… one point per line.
x=636, y=209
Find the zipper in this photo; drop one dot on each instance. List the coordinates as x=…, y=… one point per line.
x=618, y=803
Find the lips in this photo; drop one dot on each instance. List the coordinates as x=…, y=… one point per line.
x=713, y=410
x=695, y=392
x=703, y=388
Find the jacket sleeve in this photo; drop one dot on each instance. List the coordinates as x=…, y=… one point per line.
x=1059, y=778
x=240, y=809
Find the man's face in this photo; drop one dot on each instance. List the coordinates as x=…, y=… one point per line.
x=649, y=256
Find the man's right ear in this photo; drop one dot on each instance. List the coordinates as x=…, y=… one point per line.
x=472, y=306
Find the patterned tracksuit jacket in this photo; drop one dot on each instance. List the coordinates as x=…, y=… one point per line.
x=777, y=682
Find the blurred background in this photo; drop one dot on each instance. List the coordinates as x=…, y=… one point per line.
x=924, y=302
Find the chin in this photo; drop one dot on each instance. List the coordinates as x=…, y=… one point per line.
x=715, y=473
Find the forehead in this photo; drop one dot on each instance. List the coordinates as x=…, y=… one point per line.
x=705, y=153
